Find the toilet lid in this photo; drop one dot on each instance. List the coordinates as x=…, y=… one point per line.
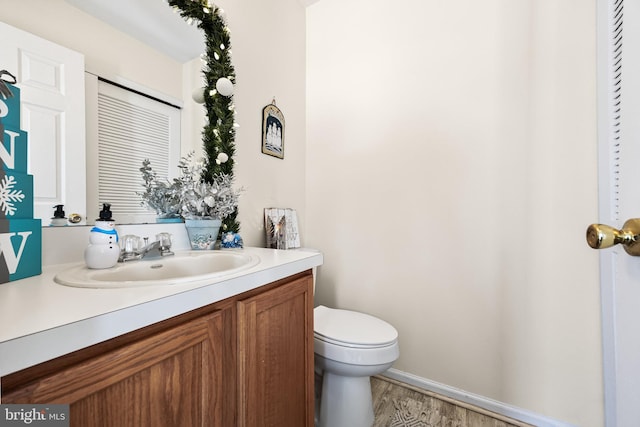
x=351, y=328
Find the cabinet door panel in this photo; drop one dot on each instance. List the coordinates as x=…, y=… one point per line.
x=276, y=356
x=172, y=378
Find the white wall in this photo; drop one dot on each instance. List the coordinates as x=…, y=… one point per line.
x=451, y=172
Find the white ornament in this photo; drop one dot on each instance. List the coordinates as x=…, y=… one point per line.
x=222, y=158
x=198, y=95
x=224, y=86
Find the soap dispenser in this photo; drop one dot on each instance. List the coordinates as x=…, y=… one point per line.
x=58, y=219
x=103, y=250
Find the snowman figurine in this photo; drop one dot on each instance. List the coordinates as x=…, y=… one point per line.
x=103, y=250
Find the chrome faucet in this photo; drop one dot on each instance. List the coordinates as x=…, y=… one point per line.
x=131, y=249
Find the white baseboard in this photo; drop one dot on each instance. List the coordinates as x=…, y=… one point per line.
x=486, y=403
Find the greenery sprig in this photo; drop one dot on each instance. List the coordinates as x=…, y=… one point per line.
x=219, y=132
x=159, y=194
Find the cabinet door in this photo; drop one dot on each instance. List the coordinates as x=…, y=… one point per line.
x=172, y=378
x=275, y=349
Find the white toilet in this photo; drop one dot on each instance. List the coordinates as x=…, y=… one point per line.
x=350, y=347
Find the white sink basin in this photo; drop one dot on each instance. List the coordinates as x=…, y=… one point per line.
x=182, y=267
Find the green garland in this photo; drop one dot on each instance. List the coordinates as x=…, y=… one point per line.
x=219, y=132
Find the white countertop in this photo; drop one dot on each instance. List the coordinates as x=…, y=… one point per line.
x=41, y=320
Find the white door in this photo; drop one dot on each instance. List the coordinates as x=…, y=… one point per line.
x=51, y=80
x=619, y=195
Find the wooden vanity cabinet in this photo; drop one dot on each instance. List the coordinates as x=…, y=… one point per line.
x=275, y=348
x=244, y=361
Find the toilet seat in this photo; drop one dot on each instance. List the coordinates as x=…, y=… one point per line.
x=352, y=329
x=357, y=356
x=354, y=338
x=346, y=344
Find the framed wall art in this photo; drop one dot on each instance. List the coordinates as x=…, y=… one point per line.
x=273, y=131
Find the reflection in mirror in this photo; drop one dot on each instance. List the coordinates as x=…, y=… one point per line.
x=134, y=123
x=151, y=22
x=111, y=54
x=50, y=119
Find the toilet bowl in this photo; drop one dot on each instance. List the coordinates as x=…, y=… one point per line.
x=350, y=347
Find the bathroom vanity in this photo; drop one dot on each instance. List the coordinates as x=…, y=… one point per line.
x=237, y=351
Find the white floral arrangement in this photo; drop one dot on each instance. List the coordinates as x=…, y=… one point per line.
x=200, y=199
x=159, y=195
x=195, y=198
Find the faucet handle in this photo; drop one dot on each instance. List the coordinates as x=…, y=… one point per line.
x=165, y=240
x=130, y=244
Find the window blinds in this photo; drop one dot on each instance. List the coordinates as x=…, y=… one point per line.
x=133, y=127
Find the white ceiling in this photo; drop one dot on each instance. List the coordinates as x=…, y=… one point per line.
x=150, y=21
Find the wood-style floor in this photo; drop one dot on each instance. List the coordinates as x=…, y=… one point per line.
x=398, y=404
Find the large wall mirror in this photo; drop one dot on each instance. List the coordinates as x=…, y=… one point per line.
x=141, y=45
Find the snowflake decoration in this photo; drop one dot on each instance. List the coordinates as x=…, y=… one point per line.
x=9, y=196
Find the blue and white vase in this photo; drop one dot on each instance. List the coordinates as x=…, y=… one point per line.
x=203, y=233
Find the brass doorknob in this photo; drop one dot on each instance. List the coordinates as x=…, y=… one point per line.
x=600, y=236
